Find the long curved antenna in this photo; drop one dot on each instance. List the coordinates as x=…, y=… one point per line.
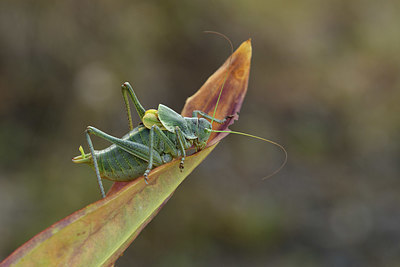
x=240, y=133
x=262, y=139
x=227, y=72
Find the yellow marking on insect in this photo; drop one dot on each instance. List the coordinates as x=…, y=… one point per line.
x=150, y=118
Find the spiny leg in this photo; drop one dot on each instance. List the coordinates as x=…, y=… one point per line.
x=167, y=142
x=150, y=165
x=181, y=141
x=136, y=149
x=127, y=89
x=205, y=115
x=96, y=166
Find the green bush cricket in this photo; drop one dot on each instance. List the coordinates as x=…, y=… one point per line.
x=162, y=136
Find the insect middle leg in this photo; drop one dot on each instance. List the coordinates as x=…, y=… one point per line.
x=170, y=147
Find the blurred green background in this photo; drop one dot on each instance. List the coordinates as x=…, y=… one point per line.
x=324, y=82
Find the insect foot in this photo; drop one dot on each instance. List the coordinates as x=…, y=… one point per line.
x=146, y=178
x=181, y=166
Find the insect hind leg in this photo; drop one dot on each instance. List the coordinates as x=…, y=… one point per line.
x=128, y=90
x=136, y=149
x=96, y=166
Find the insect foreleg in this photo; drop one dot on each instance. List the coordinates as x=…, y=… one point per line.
x=182, y=143
x=127, y=89
x=96, y=166
x=205, y=115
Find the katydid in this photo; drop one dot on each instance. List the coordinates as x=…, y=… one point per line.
x=163, y=135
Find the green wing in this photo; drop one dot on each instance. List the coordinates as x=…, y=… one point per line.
x=170, y=119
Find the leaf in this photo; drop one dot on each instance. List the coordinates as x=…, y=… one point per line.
x=99, y=233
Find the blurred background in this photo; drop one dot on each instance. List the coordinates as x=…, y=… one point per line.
x=324, y=83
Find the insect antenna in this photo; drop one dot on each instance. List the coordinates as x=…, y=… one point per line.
x=240, y=133
x=227, y=71
x=262, y=139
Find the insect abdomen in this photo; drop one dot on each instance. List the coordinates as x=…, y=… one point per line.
x=118, y=165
